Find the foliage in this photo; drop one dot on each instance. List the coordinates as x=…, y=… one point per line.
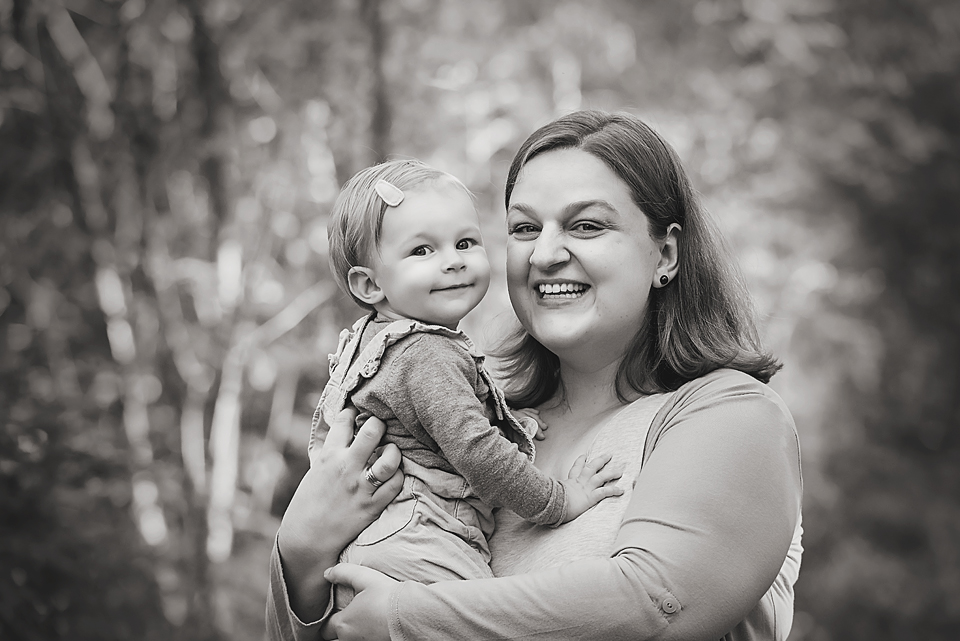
x=892, y=525
x=72, y=563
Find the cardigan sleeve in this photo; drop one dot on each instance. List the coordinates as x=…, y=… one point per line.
x=281, y=621
x=431, y=386
x=706, y=532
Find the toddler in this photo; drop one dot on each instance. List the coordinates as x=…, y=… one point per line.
x=405, y=244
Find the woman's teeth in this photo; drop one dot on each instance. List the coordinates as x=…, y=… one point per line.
x=562, y=290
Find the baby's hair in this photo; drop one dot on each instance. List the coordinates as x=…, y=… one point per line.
x=357, y=217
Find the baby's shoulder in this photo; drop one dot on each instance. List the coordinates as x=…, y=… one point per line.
x=434, y=350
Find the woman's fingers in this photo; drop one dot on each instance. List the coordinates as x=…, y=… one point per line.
x=365, y=617
x=328, y=631
x=341, y=432
x=357, y=577
x=365, y=442
x=381, y=495
x=386, y=465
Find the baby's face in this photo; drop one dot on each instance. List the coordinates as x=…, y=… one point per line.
x=431, y=264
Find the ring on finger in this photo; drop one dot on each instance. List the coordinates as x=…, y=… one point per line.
x=371, y=477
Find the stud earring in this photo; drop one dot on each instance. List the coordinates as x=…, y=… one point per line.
x=664, y=279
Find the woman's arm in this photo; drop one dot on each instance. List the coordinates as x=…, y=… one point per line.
x=706, y=532
x=331, y=506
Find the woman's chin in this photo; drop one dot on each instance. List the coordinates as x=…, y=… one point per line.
x=559, y=334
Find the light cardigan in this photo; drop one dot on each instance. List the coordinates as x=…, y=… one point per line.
x=705, y=544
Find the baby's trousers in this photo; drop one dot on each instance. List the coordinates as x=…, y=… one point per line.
x=423, y=537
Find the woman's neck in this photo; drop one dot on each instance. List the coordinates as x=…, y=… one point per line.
x=590, y=390
x=587, y=402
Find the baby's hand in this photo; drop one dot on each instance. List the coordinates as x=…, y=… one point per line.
x=529, y=418
x=588, y=483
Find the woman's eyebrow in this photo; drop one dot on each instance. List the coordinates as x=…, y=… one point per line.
x=580, y=205
x=569, y=210
x=520, y=208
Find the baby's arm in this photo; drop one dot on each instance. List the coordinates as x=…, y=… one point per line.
x=587, y=481
x=431, y=390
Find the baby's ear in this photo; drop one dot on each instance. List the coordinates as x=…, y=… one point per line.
x=363, y=285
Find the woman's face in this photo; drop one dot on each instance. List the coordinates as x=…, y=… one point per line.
x=580, y=259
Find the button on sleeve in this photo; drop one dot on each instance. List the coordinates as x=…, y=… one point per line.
x=669, y=605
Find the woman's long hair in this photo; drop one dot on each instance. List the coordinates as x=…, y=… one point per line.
x=701, y=321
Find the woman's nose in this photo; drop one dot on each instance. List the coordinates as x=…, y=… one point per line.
x=549, y=250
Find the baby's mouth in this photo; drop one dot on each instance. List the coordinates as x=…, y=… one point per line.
x=561, y=290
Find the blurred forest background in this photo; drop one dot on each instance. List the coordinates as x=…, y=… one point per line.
x=166, y=171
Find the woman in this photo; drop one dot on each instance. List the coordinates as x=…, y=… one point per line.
x=636, y=340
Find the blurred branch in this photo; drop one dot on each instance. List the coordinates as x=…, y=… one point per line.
x=225, y=454
x=225, y=428
x=87, y=72
x=291, y=315
x=370, y=12
x=216, y=100
x=268, y=463
x=163, y=272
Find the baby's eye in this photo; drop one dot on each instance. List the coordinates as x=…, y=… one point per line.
x=466, y=243
x=420, y=251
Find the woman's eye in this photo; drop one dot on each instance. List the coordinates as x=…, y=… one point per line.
x=522, y=229
x=466, y=243
x=587, y=226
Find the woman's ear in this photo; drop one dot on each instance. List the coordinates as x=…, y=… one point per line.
x=363, y=285
x=669, y=263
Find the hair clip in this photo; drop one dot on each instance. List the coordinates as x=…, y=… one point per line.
x=391, y=194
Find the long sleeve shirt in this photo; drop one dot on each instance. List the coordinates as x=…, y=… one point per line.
x=440, y=410
x=707, y=544
x=428, y=384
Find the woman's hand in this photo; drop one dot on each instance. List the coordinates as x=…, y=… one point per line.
x=334, y=502
x=365, y=618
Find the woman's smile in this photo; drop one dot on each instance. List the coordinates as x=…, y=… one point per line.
x=564, y=290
